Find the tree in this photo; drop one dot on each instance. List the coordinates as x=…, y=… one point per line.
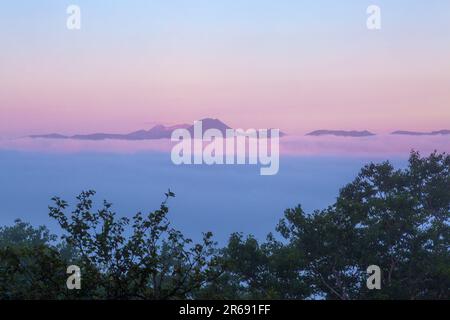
x=396, y=219
x=31, y=265
x=255, y=270
x=150, y=260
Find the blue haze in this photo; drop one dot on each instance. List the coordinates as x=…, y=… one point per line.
x=221, y=199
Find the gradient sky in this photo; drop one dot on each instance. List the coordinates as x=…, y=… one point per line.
x=295, y=65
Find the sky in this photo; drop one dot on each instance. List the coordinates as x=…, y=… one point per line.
x=294, y=65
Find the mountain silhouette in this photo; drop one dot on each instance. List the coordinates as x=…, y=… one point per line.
x=210, y=123
x=417, y=133
x=341, y=133
x=157, y=132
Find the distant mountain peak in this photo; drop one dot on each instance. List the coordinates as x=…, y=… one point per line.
x=341, y=133
x=212, y=123
x=209, y=119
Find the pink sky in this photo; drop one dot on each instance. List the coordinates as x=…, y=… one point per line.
x=296, y=75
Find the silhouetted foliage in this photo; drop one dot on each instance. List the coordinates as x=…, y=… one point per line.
x=396, y=219
x=31, y=265
x=150, y=260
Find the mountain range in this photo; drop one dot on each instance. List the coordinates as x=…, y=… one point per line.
x=417, y=133
x=157, y=132
x=341, y=133
x=165, y=132
x=365, y=133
